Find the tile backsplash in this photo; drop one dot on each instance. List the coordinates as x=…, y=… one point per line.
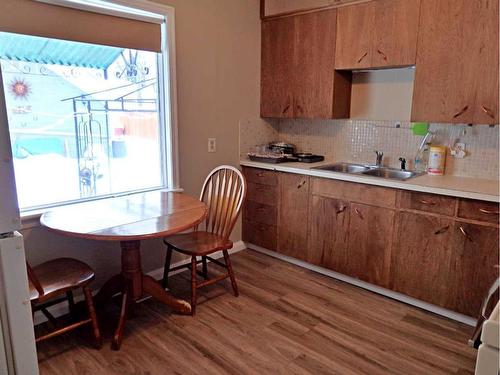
x=356, y=141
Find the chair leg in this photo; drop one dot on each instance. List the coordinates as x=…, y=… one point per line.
x=231, y=273
x=193, y=285
x=91, y=310
x=166, y=268
x=71, y=303
x=205, y=267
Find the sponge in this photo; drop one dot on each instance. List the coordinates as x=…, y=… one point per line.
x=420, y=128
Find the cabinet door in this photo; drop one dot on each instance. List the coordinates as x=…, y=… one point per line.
x=486, y=64
x=355, y=25
x=314, y=68
x=292, y=227
x=395, y=33
x=370, y=242
x=277, y=68
x=329, y=223
x=473, y=271
x=421, y=257
x=450, y=70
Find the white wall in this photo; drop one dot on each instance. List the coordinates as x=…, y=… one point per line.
x=218, y=78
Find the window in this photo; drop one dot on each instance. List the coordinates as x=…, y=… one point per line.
x=86, y=120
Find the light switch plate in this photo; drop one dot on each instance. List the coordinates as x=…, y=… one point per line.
x=211, y=145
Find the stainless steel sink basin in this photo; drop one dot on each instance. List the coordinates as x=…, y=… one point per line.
x=369, y=170
x=394, y=174
x=344, y=168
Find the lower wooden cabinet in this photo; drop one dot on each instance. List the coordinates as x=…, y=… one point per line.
x=292, y=227
x=421, y=257
x=437, y=249
x=329, y=223
x=474, y=260
x=370, y=243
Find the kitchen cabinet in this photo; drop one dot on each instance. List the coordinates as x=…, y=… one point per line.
x=421, y=257
x=298, y=78
x=370, y=243
x=329, y=223
x=456, y=77
x=292, y=228
x=277, y=68
x=438, y=249
x=474, y=261
x=377, y=34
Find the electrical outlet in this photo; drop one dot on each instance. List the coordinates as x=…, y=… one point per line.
x=211, y=145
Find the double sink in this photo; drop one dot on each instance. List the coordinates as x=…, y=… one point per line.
x=369, y=170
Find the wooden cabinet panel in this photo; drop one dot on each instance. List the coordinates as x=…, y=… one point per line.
x=262, y=235
x=329, y=228
x=370, y=243
x=292, y=229
x=260, y=176
x=355, y=25
x=434, y=203
x=264, y=194
x=314, y=74
x=277, y=68
x=421, y=257
x=473, y=271
x=395, y=33
x=486, y=64
x=457, y=58
x=352, y=191
x=260, y=213
x=478, y=210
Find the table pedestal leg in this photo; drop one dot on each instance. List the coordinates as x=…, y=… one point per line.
x=134, y=284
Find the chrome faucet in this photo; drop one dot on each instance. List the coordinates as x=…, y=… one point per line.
x=379, y=154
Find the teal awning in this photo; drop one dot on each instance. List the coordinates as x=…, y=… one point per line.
x=54, y=51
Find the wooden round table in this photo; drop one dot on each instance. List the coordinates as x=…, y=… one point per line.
x=130, y=219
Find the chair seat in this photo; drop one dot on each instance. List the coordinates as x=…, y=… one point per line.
x=198, y=243
x=60, y=275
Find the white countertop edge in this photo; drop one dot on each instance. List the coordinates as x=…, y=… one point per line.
x=376, y=181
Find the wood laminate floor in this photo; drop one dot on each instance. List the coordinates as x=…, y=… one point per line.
x=287, y=320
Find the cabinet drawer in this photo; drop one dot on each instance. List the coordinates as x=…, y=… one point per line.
x=264, y=194
x=262, y=235
x=260, y=213
x=355, y=192
x=478, y=210
x=437, y=204
x=261, y=176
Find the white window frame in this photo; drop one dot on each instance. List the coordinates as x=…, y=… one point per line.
x=150, y=12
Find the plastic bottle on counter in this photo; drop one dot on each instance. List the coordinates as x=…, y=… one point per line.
x=437, y=160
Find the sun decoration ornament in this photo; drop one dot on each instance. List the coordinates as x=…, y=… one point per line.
x=20, y=88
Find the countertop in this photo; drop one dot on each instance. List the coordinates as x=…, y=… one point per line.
x=462, y=187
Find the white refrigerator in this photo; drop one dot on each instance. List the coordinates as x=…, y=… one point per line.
x=17, y=341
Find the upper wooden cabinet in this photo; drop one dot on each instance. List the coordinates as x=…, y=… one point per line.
x=377, y=34
x=298, y=78
x=456, y=78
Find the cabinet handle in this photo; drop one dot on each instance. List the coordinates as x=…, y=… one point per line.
x=302, y=183
x=464, y=109
x=466, y=235
x=488, y=111
x=285, y=110
x=341, y=209
x=260, y=174
x=430, y=203
x=484, y=211
x=382, y=54
x=362, y=57
x=442, y=230
x=358, y=212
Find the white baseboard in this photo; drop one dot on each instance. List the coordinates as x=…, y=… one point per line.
x=62, y=307
x=373, y=288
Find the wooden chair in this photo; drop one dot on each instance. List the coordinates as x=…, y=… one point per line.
x=58, y=278
x=223, y=192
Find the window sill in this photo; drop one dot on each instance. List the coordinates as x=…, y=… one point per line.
x=31, y=219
